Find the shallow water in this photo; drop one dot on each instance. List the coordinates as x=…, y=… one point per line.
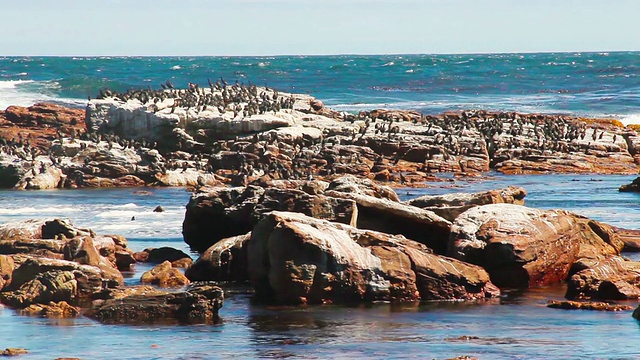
x=517, y=326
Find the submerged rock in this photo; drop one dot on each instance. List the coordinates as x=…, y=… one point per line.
x=587, y=305
x=60, y=309
x=198, y=304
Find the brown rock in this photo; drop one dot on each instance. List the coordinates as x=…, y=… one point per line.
x=587, y=305
x=13, y=352
x=225, y=212
x=381, y=214
x=165, y=276
x=518, y=246
x=226, y=260
x=611, y=278
x=53, y=309
x=198, y=304
x=6, y=269
x=297, y=259
x=46, y=287
x=449, y=206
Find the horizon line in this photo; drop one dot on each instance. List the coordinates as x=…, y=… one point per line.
x=338, y=54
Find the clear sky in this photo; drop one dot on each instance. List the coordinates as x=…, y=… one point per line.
x=278, y=27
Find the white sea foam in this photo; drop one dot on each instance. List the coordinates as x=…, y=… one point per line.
x=117, y=214
x=126, y=206
x=33, y=210
x=630, y=119
x=25, y=93
x=176, y=67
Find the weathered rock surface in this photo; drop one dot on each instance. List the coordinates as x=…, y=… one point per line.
x=50, y=286
x=218, y=213
x=524, y=247
x=634, y=186
x=297, y=259
x=610, y=278
x=449, y=206
x=198, y=304
x=164, y=275
x=587, y=305
x=226, y=260
x=53, y=309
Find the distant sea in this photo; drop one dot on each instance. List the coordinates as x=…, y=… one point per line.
x=589, y=84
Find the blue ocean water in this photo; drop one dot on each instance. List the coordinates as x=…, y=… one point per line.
x=594, y=84
x=516, y=326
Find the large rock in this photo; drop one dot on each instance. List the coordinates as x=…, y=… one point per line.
x=53, y=285
x=384, y=215
x=198, y=304
x=90, y=279
x=449, y=206
x=610, y=278
x=219, y=213
x=176, y=257
x=296, y=259
x=226, y=260
x=6, y=270
x=524, y=247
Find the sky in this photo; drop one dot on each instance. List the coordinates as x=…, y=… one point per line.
x=314, y=27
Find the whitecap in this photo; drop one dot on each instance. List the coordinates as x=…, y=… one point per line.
x=126, y=206
x=176, y=67
x=117, y=214
x=630, y=119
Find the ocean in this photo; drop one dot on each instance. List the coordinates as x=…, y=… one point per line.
x=589, y=84
x=516, y=326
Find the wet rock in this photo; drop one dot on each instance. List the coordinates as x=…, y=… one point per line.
x=164, y=275
x=158, y=209
x=46, y=287
x=90, y=279
x=587, y=305
x=176, y=257
x=634, y=186
x=59, y=309
x=297, y=259
x=59, y=227
x=196, y=305
x=449, y=206
x=630, y=238
x=13, y=352
x=611, y=278
x=226, y=260
x=125, y=291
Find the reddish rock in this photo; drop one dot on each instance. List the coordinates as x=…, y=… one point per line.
x=164, y=275
x=587, y=305
x=610, y=278
x=60, y=309
x=297, y=259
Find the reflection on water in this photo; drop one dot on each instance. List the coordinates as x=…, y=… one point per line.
x=516, y=326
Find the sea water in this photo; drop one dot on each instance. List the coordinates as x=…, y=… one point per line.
x=518, y=325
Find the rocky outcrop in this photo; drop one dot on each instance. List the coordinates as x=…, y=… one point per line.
x=60, y=309
x=297, y=259
x=226, y=260
x=634, y=186
x=523, y=247
x=381, y=214
x=50, y=286
x=218, y=213
x=609, y=278
x=449, y=206
x=164, y=275
x=198, y=304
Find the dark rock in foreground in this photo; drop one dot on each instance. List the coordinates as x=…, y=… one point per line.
x=633, y=187
x=198, y=304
